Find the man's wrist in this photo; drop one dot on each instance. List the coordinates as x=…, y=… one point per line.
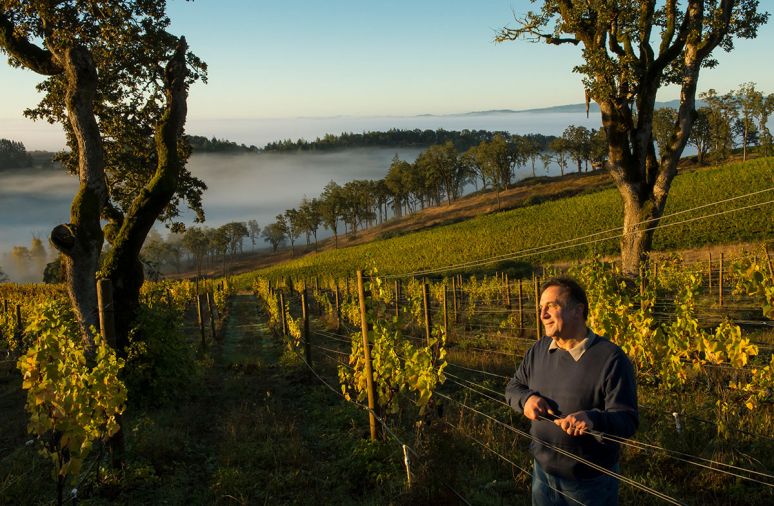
x=527, y=397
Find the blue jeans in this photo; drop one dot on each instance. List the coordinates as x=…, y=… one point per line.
x=549, y=490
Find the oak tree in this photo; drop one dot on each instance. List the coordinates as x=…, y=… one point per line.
x=274, y=233
x=701, y=133
x=331, y=203
x=750, y=102
x=630, y=50
x=721, y=115
x=117, y=82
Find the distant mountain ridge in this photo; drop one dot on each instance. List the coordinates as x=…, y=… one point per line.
x=593, y=108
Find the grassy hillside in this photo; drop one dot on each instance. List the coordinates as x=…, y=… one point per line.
x=544, y=228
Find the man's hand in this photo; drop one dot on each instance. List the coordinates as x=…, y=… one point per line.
x=536, y=406
x=575, y=424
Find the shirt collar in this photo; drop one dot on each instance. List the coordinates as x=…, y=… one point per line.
x=577, y=351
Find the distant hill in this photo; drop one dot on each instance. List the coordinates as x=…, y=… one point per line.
x=593, y=108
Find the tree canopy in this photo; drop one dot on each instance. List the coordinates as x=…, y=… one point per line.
x=117, y=82
x=630, y=50
x=13, y=155
x=462, y=139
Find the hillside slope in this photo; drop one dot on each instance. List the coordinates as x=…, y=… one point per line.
x=701, y=214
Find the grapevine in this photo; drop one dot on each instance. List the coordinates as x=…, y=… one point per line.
x=74, y=393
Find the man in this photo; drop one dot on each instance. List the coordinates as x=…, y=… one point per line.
x=571, y=382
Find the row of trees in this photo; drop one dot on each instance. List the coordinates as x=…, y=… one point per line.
x=440, y=173
x=737, y=118
x=200, y=144
x=203, y=247
x=462, y=139
x=13, y=155
x=25, y=264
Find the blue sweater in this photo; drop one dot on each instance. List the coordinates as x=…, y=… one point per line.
x=601, y=383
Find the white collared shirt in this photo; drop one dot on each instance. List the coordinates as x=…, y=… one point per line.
x=577, y=351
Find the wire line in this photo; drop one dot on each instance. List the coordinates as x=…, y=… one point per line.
x=552, y=247
x=571, y=455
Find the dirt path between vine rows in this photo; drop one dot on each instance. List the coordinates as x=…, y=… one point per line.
x=273, y=433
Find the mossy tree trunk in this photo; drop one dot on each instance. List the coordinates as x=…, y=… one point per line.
x=122, y=263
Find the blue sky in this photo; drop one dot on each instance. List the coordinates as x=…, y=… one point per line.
x=280, y=59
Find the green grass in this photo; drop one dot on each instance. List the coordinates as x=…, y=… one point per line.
x=547, y=223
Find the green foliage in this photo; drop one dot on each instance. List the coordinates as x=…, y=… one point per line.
x=400, y=366
x=13, y=155
x=221, y=295
x=74, y=393
x=294, y=329
x=271, y=303
x=676, y=353
x=201, y=144
x=160, y=360
x=13, y=338
x=393, y=137
x=755, y=278
x=372, y=464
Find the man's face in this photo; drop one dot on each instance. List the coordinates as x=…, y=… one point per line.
x=561, y=318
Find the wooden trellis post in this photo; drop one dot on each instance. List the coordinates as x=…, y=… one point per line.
x=537, y=307
x=305, y=335
x=107, y=325
x=507, y=292
x=461, y=301
x=19, y=322
x=338, y=307
x=454, y=297
x=445, y=321
x=200, y=313
x=283, y=316
x=426, y=299
x=407, y=463
x=397, y=299
x=211, y=308
x=367, y=357
x=709, y=270
x=521, y=310
x=720, y=282
x=19, y=325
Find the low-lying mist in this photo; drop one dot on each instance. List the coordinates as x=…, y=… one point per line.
x=32, y=202
x=240, y=188
x=260, y=186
